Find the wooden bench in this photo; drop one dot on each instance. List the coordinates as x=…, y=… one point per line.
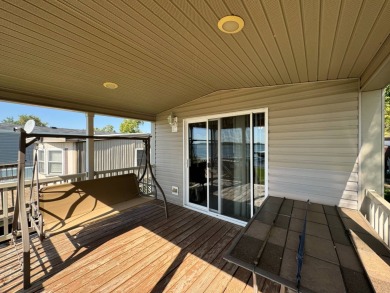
x=68, y=205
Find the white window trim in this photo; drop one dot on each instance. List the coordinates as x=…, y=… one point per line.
x=42, y=161
x=136, y=155
x=47, y=151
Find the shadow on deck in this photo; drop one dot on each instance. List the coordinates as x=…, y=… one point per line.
x=138, y=250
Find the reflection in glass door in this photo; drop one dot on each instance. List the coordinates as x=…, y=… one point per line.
x=197, y=162
x=227, y=164
x=235, y=171
x=259, y=160
x=213, y=165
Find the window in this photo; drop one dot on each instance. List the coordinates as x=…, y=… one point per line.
x=41, y=161
x=140, y=157
x=54, y=162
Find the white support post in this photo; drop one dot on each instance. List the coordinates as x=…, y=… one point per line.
x=90, y=160
x=153, y=143
x=372, y=140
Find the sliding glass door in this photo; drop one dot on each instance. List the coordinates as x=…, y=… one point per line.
x=227, y=164
x=235, y=169
x=197, y=163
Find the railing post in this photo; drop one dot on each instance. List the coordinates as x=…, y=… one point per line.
x=20, y=211
x=378, y=214
x=380, y=222
x=376, y=218
x=90, y=146
x=5, y=210
x=388, y=231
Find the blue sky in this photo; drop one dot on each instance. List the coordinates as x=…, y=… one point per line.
x=61, y=118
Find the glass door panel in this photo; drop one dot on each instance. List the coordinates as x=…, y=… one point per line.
x=258, y=160
x=213, y=165
x=235, y=167
x=227, y=164
x=197, y=151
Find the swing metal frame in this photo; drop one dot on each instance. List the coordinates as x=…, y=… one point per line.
x=22, y=217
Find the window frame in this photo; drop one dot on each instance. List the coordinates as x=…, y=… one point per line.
x=41, y=160
x=136, y=155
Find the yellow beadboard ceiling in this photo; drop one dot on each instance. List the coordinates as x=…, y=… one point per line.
x=166, y=53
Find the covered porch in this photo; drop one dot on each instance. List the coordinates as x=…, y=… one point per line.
x=313, y=71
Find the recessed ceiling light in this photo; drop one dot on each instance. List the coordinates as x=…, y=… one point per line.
x=110, y=85
x=231, y=24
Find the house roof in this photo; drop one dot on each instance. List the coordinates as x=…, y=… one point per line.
x=6, y=127
x=166, y=53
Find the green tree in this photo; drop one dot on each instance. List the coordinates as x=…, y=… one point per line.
x=108, y=128
x=9, y=120
x=387, y=110
x=130, y=126
x=23, y=119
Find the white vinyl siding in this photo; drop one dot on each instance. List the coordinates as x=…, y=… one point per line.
x=115, y=154
x=313, y=139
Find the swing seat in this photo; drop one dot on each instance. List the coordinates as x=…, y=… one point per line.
x=68, y=205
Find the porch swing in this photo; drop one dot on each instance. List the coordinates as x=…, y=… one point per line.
x=58, y=208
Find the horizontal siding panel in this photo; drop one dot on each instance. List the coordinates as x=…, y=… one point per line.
x=346, y=167
x=311, y=135
x=351, y=115
x=340, y=107
x=324, y=175
x=311, y=191
x=316, y=150
x=301, y=102
x=346, y=125
x=265, y=97
x=344, y=203
x=314, y=159
x=315, y=183
x=313, y=138
x=337, y=142
x=271, y=95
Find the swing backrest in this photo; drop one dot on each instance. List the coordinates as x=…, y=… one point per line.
x=64, y=201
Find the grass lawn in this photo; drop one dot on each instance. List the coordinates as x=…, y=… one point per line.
x=261, y=175
x=387, y=194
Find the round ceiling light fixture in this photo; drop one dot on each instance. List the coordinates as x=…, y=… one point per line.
x=110, y=85
x=231, y=24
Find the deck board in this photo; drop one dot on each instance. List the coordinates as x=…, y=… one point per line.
x=55, y=252
x=168, y=265
x=138, y=250
x=239, y=281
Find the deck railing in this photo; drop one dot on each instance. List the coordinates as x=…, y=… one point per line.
x=377, y=211
x=8, y=192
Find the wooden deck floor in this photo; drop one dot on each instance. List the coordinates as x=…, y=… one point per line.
x=138, y=251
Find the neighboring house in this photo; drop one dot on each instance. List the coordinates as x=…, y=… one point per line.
x=9, y=145
x=67, y=156
x=60, y=156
